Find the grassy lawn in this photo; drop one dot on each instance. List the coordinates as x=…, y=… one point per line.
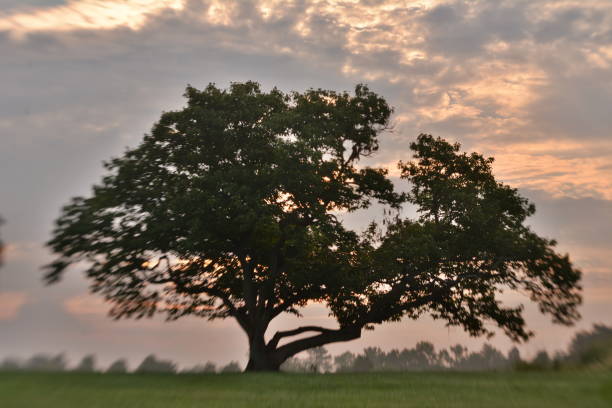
x=537, y=389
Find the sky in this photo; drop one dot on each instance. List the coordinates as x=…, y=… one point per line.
x=528, y=82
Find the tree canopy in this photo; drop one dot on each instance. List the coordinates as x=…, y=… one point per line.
x=229, y=208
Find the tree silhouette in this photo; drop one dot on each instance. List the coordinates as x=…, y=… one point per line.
x=591, y=346
x=362, y=364
x=424, y=357
x=542, y=360
x=87, y=364
x=229, y=209
x=231, y=367
x=207, y=368
x=319, y=360
x=344, y=362
x=152, y=365
x=43, y=362
x=10, y=364
x=118, y=367
x=514, y=357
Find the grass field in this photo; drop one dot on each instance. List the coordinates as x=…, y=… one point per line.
x=533, y=389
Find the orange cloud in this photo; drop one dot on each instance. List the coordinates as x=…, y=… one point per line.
x=86, y=14
x=86, y=305
x=220, y=13
x=11, y=303
x=555, y=167
x=487, y=94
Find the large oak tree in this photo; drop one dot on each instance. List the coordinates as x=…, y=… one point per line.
x=229, y=208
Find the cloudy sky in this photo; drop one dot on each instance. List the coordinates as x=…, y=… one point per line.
x=528, y=82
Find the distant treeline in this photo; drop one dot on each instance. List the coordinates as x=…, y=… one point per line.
x=588, y=348
x=151, y=364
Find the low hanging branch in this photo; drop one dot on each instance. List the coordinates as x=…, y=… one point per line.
x=273, y=343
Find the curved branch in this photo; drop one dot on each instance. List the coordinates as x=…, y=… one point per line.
x=288, y=333
x=326, y=337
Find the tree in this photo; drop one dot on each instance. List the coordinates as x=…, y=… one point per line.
x=514, y=357
x=228, y=208
x=44, y=362
x=363, y=364
x=489, y=358
x=208, y=368
x=318, y=360
x=231, y=367
x=152, y=365
x=87, y=364
x=294, y=365
x=541, y=360
x=118, y=367
x=591, y=347
x=10, y=364
x=344, y=362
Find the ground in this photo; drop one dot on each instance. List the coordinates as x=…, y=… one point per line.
x=590, y=389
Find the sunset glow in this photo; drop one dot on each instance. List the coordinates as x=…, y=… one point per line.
x=86, y=14
x=10, y=303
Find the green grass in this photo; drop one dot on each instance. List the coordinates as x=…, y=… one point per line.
x=529, y=389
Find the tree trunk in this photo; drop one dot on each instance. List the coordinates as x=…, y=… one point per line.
x=262, y=361
x=269, y=357
x=261, y=358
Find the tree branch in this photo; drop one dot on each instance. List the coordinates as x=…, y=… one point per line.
x=210, y=291
x=280, y=334
x=326, y=337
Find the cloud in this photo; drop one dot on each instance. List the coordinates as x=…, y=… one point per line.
x=575, y=222
x=86, y=305
x=84, y=14
x=563, y=168
x=11, y=303
x=12, y=6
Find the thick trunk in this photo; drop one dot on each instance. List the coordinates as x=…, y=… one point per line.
x=261, y=358
x=262, y=361
x=269, y=357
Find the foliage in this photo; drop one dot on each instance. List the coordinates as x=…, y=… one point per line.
x=10, y=364
x=44, y=362
x=118, y=367
x=87, y=364
x=317, y=360
x=227, y=209
x=231, y=367
x=591, y=347
x=344, y=362
x=152, y=365
x=514, y=357
x=208, y=368
x=424, y=357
